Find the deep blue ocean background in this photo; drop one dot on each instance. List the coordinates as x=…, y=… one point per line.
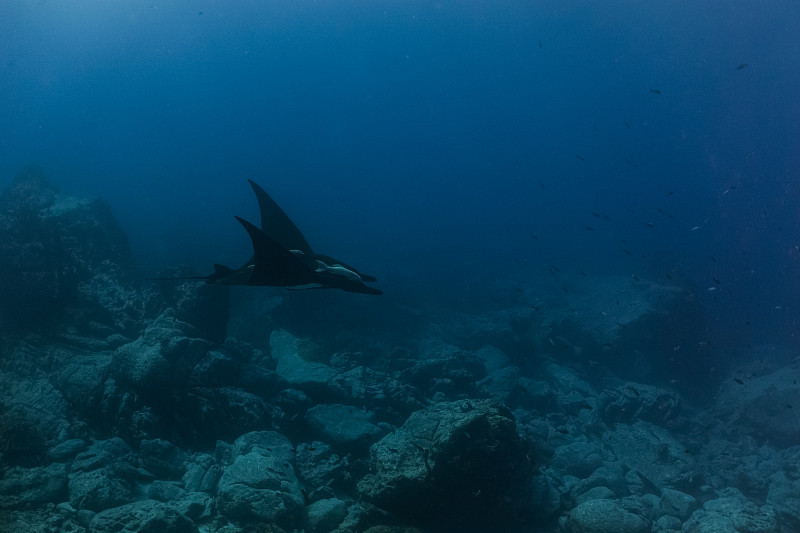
x=459, y=151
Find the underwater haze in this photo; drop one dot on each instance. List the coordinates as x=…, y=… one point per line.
x=583, y=218
x=443, y=145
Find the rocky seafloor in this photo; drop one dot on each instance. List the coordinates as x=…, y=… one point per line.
x=128, y=405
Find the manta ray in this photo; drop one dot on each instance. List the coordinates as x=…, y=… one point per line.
x=282, y=257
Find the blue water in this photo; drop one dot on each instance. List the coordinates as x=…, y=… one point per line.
x=442, y=146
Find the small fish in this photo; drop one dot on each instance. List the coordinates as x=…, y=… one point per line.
x=540, y=44
x=650, y=225
x=627, y=125
x=739, y=381
x=655, y=91
x=589, y=228
x=696, y=228
x=743, y=66
x=533, y=236
x=579, y=157
x=631, y=163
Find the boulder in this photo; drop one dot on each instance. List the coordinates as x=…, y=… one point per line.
x=614, y=320
x=731, y=512
x=33, y=417
x=446, y=369
x=146, y=516
x=676, y=503
x=294, y=368
x=103, y=476
x=323, y=516
x=162, y=458
x=81, y=380
x=164, y=491
x=762, y=406
x=317, y=465
x=207, y=414
x=784, y=496
x=343, y=426
x=579, y=458
x=50, y=243
x=378, y=389
x=260, y=483
x=655, y=454
x=455, y=465
x=28, y=487
x=201, y=308
x=66, y=450
x=635, y=401
x=603, y=516
x=162, y=358
x=297, y=367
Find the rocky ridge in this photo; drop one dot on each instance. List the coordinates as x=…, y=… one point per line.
x=127, y=407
